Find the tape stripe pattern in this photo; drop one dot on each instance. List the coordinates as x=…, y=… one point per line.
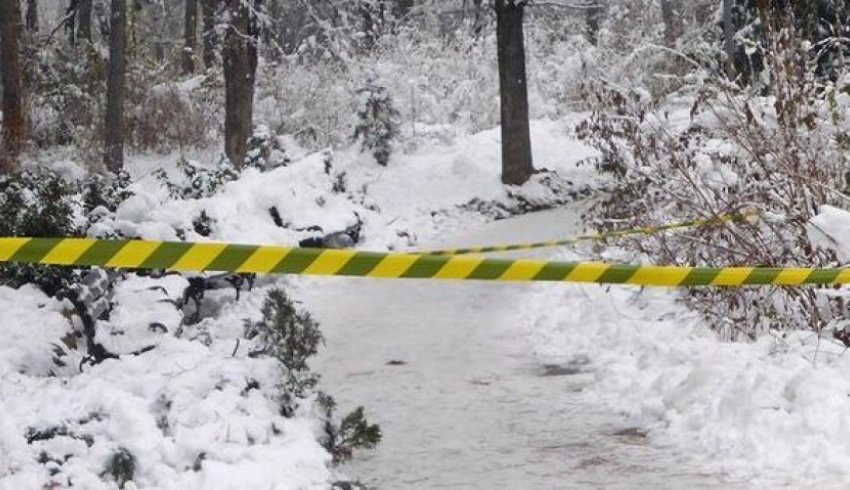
x=140, y=254
x=648, y=230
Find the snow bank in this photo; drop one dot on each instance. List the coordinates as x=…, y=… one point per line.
x=415, y=196
x=776, y=411
x=187, y=410
x=830, y=229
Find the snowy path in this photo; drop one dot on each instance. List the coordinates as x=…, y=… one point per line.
x=468, y=406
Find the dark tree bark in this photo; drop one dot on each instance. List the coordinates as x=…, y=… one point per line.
x=671, y=14
x=401, y=9
x=113, y=155
x=190, y=36
x=239, y=55
x=14, y=118
x=209, y=8
x=71, y=21
x=517, y=166
x=728, y=36
x=84, y=20
x=592, y=21
x=32, y=15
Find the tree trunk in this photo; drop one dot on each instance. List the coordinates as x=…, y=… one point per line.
x=671, y=14
x=190, y=35
x=14, y=119
x=517, y=166
x=592, y=20
x=32, y=15
x=209, y=8
x=239, y=55
x=728, y=36
x=71, y=21
x=114, y=121
x=84, y=20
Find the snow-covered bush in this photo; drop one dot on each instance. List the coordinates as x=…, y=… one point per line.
x=66, y=94
x=36, y=204
x=376, y=122
x=266, y=150
x=163, y=115
x=41, y=203
x=721, y=152
x=292, y=337
x=196, y=181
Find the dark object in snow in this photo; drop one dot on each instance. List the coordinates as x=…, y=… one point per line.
x=198, y=286
x=121, y=467
x=551, y=370
x=278, y=221
x=396, y=362
x=347, y=238
x=842, y=335
x=92, y=301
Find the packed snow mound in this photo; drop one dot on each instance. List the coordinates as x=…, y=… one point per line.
x=830, y=229
x=194, y=414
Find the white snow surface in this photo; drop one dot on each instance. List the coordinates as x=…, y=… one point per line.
x=830, y=229
x=468, y=408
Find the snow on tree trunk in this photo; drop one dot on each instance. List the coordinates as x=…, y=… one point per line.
x=14, y=119
x=114, y=121
x=239, y=54
x=517, y=165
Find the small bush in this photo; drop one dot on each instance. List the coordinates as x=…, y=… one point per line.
x=266, y=150
x=37, y=204
x=353, y=432
x=291, y=337
x=195, y=181
x=377, y=127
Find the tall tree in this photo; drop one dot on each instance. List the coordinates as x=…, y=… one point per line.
x=32, y=15
x=190, y=35
x=84, y=10
x=113, y=155
x=728, y=35
x=517, y=166
x=14, y=119
x=209, y=9
x=239, y=55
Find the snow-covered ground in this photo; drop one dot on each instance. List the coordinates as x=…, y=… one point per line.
x=475, y=385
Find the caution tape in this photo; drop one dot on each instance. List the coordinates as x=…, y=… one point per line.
x=220, y=257
x=646, y=230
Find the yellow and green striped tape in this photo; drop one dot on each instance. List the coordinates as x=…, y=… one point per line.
x=199, y=257
x=646, y=230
